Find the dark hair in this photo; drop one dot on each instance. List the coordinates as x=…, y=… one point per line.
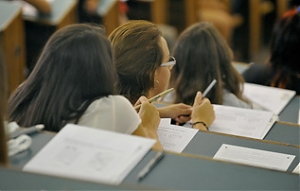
x=285, y=43
x=3, y=103
x=137, y=54
x=74, y=69
x=201, y=56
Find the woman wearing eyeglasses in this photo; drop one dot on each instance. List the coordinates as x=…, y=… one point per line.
x=143, y=64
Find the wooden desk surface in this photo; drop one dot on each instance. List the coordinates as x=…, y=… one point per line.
x=7, y=13
x=60, y=8
x=189, y=172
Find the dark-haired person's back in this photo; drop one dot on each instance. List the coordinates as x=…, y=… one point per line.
x=283, y=68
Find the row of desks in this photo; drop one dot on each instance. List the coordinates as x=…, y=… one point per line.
x=193, y=169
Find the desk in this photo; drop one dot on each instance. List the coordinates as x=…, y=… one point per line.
x=12, y=42
x=208, y=143
x=30, y=181
x=40, y=27
x=190, y=172
x=291, y=111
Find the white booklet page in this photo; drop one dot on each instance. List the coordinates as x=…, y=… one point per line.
x=90, y=154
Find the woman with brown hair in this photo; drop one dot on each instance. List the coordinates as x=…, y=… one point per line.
x=143, y=64
x=202, y=56
x=73, y=82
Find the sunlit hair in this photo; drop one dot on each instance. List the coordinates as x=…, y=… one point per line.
x=137, y=54
x=202, y=55
x=284, y=49
x=74, y=69
x=3, y=103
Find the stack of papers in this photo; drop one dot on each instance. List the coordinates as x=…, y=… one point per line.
x=90, y=154
x=268, y=98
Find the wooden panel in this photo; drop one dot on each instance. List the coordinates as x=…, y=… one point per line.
x=282, y=6
x=190, y=7
x=160, y=11
x=14, y=51
x=69, y=18
x=255, y=27
x=111, y=18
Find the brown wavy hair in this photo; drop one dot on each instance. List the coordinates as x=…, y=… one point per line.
x=201, y=56
x=137, y=54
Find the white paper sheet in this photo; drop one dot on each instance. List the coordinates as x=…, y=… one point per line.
x=269, y=98
x=174, y=138
x=297, y=169
x=242, y=122
x=90, y=154
x=254, y=157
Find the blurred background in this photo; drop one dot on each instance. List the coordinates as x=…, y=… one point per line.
x=25, y=26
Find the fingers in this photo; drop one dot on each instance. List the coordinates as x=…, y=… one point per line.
x=198, y=99
x=141, y=100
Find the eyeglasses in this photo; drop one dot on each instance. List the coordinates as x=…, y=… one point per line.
x=170, y=63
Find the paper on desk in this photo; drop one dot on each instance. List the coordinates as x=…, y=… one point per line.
x=269, y=98
x=90, y=154
x=242, y=122
x=254, y=157
x=297, y=169
x=174, y=138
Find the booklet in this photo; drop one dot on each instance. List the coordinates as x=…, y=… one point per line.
x=90, y=154
x=268, y=98
x=242, y=122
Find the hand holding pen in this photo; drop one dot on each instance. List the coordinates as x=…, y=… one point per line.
x=203, y=112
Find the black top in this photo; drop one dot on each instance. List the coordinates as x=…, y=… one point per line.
x=260, y=74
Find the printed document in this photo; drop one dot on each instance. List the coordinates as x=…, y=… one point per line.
x=174, y=138
x=242, y=122
x=90, y=154
x=254, y=157
x=268, y=98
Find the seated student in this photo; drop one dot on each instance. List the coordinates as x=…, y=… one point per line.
x=283, y=68
x=201, y=56
x=72, y=82
x=3, y=102
x=139, y=51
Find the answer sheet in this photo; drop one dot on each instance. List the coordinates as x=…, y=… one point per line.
x=174, y=138
x=90, y=154
x=269, y=98
x=242, y=122
x=254, y=157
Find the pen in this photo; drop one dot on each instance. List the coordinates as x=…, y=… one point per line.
x=150, y=165
x=155, y=97
x=26, y=131
x=211, y=85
